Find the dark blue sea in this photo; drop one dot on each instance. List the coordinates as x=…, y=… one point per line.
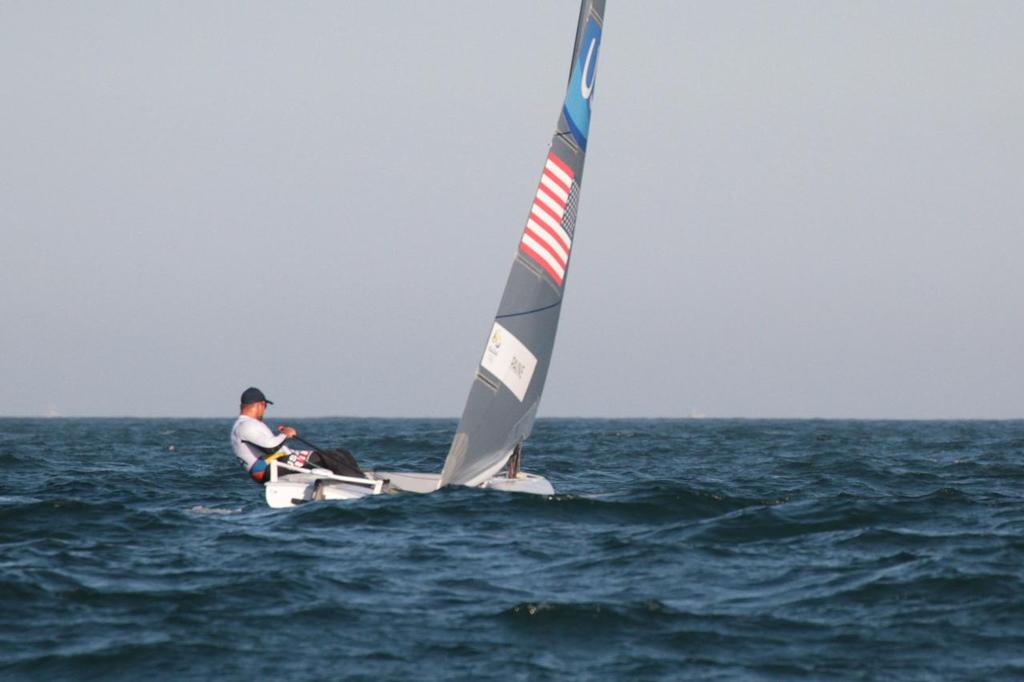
x=137, y=549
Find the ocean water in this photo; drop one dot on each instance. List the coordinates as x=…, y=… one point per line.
x=673, y=550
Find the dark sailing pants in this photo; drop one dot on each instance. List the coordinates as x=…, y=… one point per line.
x=337, y=460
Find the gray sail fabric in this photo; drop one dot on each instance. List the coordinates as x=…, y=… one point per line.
x=506, y=391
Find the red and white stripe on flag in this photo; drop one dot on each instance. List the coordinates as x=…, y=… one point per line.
x=547, y=238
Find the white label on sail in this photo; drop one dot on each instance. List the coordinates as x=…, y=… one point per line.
x=508, y=359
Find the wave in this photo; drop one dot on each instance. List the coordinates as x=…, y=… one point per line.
x=588, y=616
x=200, y=509
x=639, y=503
x=9, y=460
x=829, y=514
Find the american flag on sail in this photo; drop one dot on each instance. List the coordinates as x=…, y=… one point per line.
x=548, y=234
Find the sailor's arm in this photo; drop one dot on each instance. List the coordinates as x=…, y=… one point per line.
x=262, y=438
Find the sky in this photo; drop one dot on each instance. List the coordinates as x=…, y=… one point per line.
x=789, y=209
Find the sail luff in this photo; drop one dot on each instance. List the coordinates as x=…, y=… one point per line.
x=576, y=43
x=506, y=391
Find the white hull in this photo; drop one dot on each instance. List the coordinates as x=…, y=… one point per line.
x=522, y=483
x=294, y=489
x=398, y=481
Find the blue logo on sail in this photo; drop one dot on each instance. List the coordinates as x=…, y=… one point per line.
x=581, y=84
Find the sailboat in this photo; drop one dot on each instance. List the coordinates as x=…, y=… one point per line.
x=505, y=394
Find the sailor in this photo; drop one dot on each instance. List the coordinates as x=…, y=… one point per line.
x=253, y=441
x=256, y=445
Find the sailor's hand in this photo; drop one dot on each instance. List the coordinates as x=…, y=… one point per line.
x=288, y=431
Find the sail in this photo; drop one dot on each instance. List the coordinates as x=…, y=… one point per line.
x=506, y=391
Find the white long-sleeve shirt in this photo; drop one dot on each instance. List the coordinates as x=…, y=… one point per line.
x=251, y=439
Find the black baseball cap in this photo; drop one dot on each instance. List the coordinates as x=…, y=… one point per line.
x=254, y=395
